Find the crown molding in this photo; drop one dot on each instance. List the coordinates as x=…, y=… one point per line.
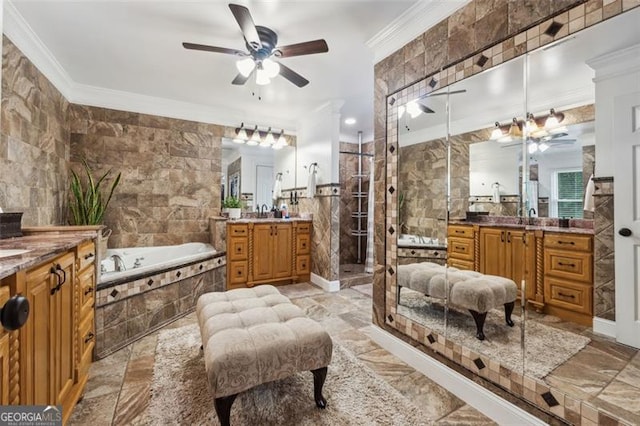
x=413, y=22
x=22, y=35
x=614, y=64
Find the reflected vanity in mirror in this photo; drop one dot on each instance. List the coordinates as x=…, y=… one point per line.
x=494, y=180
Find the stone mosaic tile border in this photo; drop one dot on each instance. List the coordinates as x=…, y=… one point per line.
x=119, y=292
x=533, y=390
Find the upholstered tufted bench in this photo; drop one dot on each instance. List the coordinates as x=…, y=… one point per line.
x=479, y=293
x=256, y=335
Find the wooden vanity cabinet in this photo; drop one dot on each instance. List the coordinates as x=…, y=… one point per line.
x=4, y=353
x=461, y=247
x=268, y=252
x=568, y=276
x=503, y=252
x=86, y=296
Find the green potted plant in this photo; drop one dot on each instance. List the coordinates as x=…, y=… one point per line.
x=233, y=206
x=89, y=200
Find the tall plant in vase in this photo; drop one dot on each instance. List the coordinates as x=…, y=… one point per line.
x=89, y=200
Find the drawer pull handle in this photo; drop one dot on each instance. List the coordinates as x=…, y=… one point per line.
x=573, y=265
x=89, y=337
x=239, y=273
x=567, y=295
x=459, y=231
x=88, y=291
x=88, y=256
x=573, y=243
x=459, y=248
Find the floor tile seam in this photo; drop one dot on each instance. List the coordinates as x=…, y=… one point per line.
x=115, y=409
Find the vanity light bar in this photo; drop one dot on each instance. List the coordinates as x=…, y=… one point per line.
x=264, y=138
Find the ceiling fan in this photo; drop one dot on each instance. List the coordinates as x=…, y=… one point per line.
x=262, y=47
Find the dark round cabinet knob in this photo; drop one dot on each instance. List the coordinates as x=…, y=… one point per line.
x=625, y=232
x=14, y=313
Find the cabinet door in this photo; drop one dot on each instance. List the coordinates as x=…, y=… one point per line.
x=492, y=247
x=4, y=354
x=62, y=323
x=282, y=260
x=36, y=379
x=515, y=256
x=263, y=252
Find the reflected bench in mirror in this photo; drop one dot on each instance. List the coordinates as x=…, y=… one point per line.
x=476, y=292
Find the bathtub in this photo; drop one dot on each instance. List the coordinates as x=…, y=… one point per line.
x=140, y=261
x=408, y=240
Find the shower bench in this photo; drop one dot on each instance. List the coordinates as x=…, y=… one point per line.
x=256, y=335
x=476, y=292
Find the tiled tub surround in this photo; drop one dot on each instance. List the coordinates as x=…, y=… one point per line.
x=494, y=33
x=125, y=312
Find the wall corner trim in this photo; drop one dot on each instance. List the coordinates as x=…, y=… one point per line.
x=604, y=327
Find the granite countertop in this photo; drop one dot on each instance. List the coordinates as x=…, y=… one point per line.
x=268, y=220
x=576, y=226
x=41, y=248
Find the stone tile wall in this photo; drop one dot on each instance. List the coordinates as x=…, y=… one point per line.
x=171, y=173
x=604, y=303
x=34, y=143
x=349, y=204
x=126, y=312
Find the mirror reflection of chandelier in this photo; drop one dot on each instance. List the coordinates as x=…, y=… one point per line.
x=537, y=130
x=256, y=137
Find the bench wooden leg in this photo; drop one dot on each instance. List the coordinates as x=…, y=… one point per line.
x=508, y=309
x=479, y=319
x=318, y=381
x=223, y=408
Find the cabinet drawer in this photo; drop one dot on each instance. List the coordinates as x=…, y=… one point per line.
x=238, y=249
x=303, y=228
x=303, y=244
x=460, y=264
x=568, y=295
x=460, y=231
x=86, y=342
x=238, y=272
x=238, y=231
x=303, y=265
x=87, y=288
x=86, y=254
x=460, y=248
x=569, y=265
x=568, y=242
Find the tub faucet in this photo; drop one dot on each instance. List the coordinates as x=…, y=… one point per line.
x=118, y=263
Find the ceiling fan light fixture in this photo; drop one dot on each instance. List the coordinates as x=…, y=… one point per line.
x=533, y=148
x=543, y=146
x=245, y=66
x=413, y=109
x=262, y=78
x=272, y=68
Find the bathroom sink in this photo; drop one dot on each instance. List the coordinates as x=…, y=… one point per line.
x=9, y=253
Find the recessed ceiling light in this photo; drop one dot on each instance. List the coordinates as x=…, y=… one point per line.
x=350, y=121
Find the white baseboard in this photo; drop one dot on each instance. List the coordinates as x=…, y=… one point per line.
x=323, y=283
x=604, y=327
x=483, y=400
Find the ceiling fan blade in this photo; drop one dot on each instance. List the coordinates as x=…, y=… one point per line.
x=249, y=31
x=293, y=76
x=241, y=79
x=216, y=49
x=425, y=109
x=306, y=48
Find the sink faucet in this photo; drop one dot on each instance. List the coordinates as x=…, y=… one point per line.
x=263, y=208
x=118, y=263
x=531, y=212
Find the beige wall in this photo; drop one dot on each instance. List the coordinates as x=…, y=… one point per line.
x=34, y=144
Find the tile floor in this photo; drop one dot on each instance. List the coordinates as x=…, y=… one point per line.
x=118, y=391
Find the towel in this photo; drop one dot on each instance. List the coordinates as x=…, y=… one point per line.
x=311, y=185
x=495, y=198
x=589, y=203
x=277, y=189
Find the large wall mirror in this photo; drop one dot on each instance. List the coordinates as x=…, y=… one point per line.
x=250, y=172
x=489, y=170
